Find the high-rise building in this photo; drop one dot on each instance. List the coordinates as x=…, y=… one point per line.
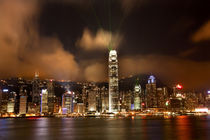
x=207, y=99
x=137, y=96
x=44, y=101
x=191, y=101
x=11, y=102
x=92, y=99
x=104, y=99
x=113, y=82
x=98, y=99
x=127, y=99
x=162, y=97
x=67, y=102
x=51, y=96
x=23, y=101
x=0, y=99
x=177, y=101
x=4, y=100
x=151, y=96
x=202, y=98
x=57, y=105
x=85, y=97
x=36, y=91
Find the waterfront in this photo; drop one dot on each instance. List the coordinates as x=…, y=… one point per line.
x=180, y=127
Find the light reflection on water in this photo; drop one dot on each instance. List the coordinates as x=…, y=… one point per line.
x=181, y=128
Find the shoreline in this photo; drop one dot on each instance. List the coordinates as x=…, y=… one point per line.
x=120, y=117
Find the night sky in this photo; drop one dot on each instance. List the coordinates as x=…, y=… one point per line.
x=69, y=39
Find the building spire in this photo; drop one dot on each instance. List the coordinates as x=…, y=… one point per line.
x=36, y=74
x=137, y=81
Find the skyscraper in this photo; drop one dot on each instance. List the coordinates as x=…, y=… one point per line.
x=4, y=100
x=151, y=92
x=11, y=102
x=104, y=99
x=0, y=99
x=36, y=91
x=51, y=96
x=44, y=101
x=127, y=100
x=92, y=99
x=137, y=94
x=67, y=102
x=113, y=82
x=23, y=101
x=162, y=97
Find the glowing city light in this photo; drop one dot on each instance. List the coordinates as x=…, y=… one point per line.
x=44, y=90
x=113, y=81
x=178, y=95
x=201, y=110
x=91, y=109
x=5, y=90
x=167, y=103
x=178, y=86
x=151, y=79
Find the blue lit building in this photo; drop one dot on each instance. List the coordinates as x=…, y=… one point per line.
x=67, y=102
x=151, y=97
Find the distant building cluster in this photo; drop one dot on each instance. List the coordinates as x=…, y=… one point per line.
x=19, y=97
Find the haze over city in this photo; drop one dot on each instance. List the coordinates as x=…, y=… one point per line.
x=69, y=39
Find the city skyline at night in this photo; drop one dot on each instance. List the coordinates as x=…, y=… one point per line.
x=104, y=69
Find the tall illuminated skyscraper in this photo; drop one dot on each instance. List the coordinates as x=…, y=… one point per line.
x=23, y=101
x=0, y=99
x=151, y=92
x=11, y=102
x=44, y=101
x=137, y=94
x=104, y=99
x=4, y=95
x=67, y=102
x=51, y=96
x=113, y=82
x=36, y=91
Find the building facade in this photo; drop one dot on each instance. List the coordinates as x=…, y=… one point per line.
x=23, y=101
x=44, y=101
x=67, y=102
x=151, y=97
x=11, y=102
x=51, y=96
x=137, y=96
x=36, y=90
x=113, y=82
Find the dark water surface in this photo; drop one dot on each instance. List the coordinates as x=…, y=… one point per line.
x=182, y=127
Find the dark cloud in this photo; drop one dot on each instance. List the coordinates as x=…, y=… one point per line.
x=129, y=5
x=203, y=33
x=65, y=39
x=23, y=50
x=168, y=68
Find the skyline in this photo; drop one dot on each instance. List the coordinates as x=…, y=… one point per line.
x=69, y=39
